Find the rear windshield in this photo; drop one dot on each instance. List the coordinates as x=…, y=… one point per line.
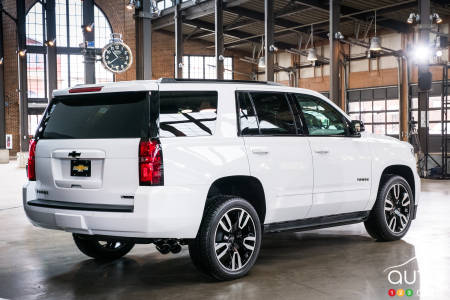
x=109, y=115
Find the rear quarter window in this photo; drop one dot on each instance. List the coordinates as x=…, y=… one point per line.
x=187, y=113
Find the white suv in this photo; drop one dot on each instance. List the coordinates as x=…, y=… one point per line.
x=211, y=164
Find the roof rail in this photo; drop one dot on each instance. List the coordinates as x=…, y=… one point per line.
x=175, y=80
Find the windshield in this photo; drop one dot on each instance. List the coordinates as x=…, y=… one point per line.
x=108, y=115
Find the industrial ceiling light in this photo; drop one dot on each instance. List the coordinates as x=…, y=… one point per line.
x=50, y=43
x=438, y=53
x=312, y=56
x=411, y=18
x=436, y=18
x=262, y=62
x=1, y=61
x=89, y=27
x=375, y=44
x=133, y=4
x=22, y=52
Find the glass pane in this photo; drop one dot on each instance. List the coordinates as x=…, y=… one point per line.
x=379, y=129
x=102, y=28
x=196, y=67
x=392, y=117
x=62, y=71
x=36, y=75
x=34, y=26
x=274, y=113
x=228, y=67
x=379, y=105
x=366, y=105
x=247, y=116
x=415, y=103
x=353, y=106
x=188, y=113
x=366, y=117
x=76, y=70
x=75, y=22
x=101, y=74
x=112, y=115
x=435, y=128
x=61, y=23
x=393, y=105
x=354, y=116
x=434, y=115
x=33, y=123
x=369, y=128
x=379, y=117
x=320, y=117
x=392, y=129
x=415, y=116
x=210, y=67
x=435, y=102
x=160, y=5
x=185, y=66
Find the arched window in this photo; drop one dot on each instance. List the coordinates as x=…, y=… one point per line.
x=70, y=61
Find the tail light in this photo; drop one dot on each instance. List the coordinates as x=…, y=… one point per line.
x=31, y=167
x=151, y=171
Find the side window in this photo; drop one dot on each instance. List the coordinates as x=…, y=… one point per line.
x=247, y=117
x=186, y=113
x=274, y=113
x=320, y=117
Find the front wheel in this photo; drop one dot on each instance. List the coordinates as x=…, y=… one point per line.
x=102, y=249
x=229, y=239
x=392, y=213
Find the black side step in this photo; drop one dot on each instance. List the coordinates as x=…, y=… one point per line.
x=81, y=206
x=318, y=222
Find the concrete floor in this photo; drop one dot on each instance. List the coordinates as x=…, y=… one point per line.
x=338, y=263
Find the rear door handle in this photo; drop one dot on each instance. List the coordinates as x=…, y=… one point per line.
x=260, y=151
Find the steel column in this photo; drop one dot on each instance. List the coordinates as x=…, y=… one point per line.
x=51, y=50
x=22, y=70
x=144, y=41
x=2, y=91
x=423, y=69
x=404, y=88
x=268, y=33
x=219, y=48
x=335, y=10
x=178, y=41
x=89, y=37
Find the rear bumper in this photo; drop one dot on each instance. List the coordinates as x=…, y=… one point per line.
x=158, y=212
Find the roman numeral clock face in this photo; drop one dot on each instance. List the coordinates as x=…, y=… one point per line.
x=117, y=57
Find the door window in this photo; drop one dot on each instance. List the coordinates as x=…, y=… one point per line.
x=320, y=117
x=265, y=113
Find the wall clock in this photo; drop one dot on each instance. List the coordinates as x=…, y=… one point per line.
x=117, y=56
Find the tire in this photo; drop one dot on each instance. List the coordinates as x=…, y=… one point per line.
x=106, y=249
x=392, y=212
x=227, y=244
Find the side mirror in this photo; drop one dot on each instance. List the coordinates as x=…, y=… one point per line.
x=358, y=126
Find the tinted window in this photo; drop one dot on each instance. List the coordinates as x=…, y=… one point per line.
x=274, y=113
x=320, y=117
x=247, y=116
x=111, y=115
x=187, y=113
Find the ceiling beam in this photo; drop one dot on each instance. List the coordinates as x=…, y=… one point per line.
x=347, y=11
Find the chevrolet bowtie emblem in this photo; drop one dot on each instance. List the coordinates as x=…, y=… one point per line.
x=80, y=168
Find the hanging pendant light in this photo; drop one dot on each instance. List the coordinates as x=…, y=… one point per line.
x=312, y=56
x=262, y=62
x=375, y=43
